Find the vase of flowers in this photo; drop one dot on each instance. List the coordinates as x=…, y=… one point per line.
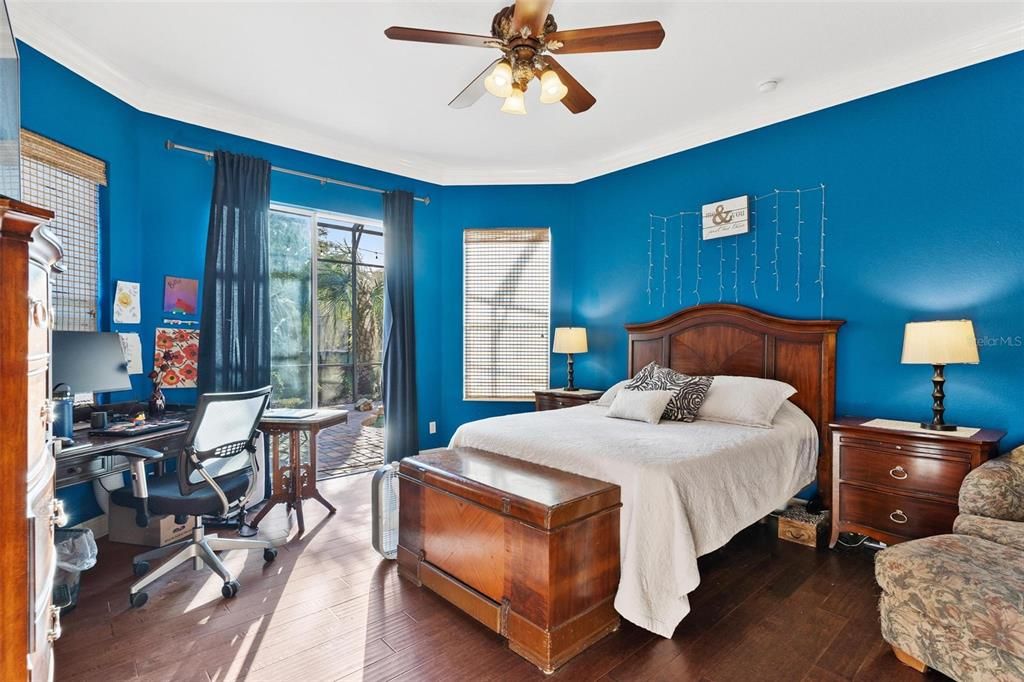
x=157, y=401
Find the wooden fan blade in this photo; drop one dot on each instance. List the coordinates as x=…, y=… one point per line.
x=531, y=13
x=647, y=35
x=474, y=91
x=578, y=99
x=424, y=35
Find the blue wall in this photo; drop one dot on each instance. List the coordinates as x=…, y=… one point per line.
x=156, y=209
x=925, y=193
x=925, y=186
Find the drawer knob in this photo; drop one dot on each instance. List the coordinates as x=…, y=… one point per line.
x=899, y=473
x=899, y=447
x=47, y=412
x=40, y=316
x=898, y=517
x=59, y=516
x=54, y=631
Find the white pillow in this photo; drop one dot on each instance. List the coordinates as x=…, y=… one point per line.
x=606, y=399
x=641, y=406
x=749, y=401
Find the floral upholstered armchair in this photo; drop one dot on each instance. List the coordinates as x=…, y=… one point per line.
x=955, y=603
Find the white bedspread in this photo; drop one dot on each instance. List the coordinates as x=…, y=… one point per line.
x=686, y=488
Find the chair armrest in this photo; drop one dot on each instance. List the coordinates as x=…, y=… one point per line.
x=139, y=452
x=1009, y=533
x=137, y=458
x=996, y=488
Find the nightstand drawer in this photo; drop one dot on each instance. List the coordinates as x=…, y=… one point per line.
x=903, y=471
x=545, y=402
x=896, y=514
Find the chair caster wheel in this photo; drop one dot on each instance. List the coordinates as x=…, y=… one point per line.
x=140, y=568
x=138, y=599
x=269, y=554
x=230, y=589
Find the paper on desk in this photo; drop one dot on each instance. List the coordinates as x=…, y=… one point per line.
x=131, y=346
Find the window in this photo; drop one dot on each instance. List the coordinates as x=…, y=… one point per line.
x=67, y=182
x=333, y=265
x=506, y=313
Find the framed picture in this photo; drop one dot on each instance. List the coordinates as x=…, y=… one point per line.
x=725, y=218
x=181, y=295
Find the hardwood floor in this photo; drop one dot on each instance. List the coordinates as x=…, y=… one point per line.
x=330, y=608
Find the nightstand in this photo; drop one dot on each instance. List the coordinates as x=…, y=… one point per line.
x=556, y=398
x=893, y=484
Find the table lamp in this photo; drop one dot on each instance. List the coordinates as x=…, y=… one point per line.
x=570, y=340
x=939, y=343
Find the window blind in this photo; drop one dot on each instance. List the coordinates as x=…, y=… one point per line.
x=506, y=312
x=67, y=182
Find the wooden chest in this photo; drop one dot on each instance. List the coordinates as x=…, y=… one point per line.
x=530, y=552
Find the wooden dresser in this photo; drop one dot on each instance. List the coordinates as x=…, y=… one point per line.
x=28, y=621
x=899, y=485
x=556, y=398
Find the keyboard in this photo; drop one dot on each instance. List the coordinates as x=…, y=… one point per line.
x=127, y=429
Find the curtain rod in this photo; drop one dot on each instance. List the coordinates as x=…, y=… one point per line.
x=171, y=145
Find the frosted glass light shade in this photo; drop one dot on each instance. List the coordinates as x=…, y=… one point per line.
x=551, y=87
x=499, y=83
x=515, y=103
x=570, y=340
x=943, y=342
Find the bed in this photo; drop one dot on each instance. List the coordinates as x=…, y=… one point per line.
x=687, y=488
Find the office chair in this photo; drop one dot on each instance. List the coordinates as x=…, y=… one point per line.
x=212, y=478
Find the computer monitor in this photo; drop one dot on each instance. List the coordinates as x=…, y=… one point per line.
x=89, y=362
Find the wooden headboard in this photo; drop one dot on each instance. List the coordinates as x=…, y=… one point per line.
x=721, y=338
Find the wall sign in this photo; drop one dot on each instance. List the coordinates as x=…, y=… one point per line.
x=726, y=218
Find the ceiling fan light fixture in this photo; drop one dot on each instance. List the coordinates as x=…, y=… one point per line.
x=552, y=89
x=515, y=103
x=499, y=83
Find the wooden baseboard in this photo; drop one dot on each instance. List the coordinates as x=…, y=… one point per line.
x=909, y=661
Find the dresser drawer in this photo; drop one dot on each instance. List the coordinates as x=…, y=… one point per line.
x=902, y=471
x=896, y=514
x=39, y=311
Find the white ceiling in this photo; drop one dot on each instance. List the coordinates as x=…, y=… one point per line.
x=321, y=76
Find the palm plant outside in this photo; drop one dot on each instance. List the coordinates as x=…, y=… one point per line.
x=350, y=328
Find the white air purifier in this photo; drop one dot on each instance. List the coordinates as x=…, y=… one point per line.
x=384, y=505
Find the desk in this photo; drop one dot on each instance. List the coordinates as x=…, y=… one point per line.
x=293, y=468
x=96, y=461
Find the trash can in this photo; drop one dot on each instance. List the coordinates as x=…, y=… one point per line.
x=76, y=552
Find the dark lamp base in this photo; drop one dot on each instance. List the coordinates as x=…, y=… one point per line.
x=939, y=427
x=570, y=388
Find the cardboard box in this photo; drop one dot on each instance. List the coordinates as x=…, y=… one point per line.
x=162, y=530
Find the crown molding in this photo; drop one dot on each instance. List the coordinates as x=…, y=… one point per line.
x=57, y=44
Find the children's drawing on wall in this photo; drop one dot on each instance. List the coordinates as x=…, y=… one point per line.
x=126, y=303
x=179, y=349
x=181, y=295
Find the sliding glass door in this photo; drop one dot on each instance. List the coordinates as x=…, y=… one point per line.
x=327, y=288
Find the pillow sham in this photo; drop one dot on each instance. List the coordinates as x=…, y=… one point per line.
x=606, y=399
x=641, y=406
x=643, y=376
x=689, y=391
x=748, y=401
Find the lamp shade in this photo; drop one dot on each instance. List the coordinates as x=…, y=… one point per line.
x=570, y=340
x=943, y=342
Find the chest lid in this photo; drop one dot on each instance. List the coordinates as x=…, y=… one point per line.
x=538, y=495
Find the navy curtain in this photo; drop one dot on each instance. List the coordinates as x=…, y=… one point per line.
x=234, y=342
x=400, y=430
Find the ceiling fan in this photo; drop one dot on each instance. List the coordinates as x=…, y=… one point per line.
x=526, y=34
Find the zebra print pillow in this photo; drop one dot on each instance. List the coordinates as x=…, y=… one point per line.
x=689, y=391
x=642, y=377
